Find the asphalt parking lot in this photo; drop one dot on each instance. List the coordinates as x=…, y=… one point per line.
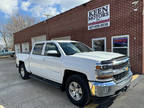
x=18, y=93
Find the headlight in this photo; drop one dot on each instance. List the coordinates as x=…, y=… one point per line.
x=103, y=71
x=104, y=67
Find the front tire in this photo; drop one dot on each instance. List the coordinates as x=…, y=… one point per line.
x=23, y=73
x=77, y=90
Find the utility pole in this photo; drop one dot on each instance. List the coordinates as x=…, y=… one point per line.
x=47, y=15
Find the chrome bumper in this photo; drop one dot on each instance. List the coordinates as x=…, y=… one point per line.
x=104, y=89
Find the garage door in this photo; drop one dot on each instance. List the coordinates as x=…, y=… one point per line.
x=17, y=48
x=25, y=47
x=38, y=39
x=62, y=38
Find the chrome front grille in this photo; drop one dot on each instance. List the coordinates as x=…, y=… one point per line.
x=120, y=76
x=120, y=66
x=123, y=66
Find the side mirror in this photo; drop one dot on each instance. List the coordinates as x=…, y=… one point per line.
x=53, y=53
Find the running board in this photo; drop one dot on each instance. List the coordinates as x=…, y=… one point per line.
x=49, y=82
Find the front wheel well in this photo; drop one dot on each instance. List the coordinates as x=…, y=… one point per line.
x=68, y=73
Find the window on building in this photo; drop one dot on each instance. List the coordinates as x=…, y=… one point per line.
x=120, y=44
x=38, y=49
x=99, y=44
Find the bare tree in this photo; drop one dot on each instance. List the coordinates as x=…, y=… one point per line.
x=15, y=23
x=18, y=22
x=3, y=38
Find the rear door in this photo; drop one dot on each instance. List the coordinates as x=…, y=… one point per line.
x=36, y=59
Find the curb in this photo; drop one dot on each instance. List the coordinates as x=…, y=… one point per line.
x=2, y=57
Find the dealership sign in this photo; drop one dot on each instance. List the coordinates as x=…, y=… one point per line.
x=99, y=17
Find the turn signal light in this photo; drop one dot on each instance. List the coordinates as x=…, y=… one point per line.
x=104, y=77
x=98, y=67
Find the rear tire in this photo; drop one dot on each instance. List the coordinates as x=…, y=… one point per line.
x=23, y=73
x=77, y=90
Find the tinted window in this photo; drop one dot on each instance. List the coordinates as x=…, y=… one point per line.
x=38, y=49
x=51, y=47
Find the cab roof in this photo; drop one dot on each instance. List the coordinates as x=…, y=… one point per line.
x=55, y=41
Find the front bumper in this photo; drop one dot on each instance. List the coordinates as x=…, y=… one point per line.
x=103, y=89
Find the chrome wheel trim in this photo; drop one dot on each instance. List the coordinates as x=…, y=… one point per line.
x=75, y=91
x=22, y=72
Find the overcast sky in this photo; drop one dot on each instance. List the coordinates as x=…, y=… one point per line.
x=36, y=8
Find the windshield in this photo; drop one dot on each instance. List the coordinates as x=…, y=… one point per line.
x=71, y=48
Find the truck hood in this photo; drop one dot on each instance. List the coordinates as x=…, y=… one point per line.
x=98, y=55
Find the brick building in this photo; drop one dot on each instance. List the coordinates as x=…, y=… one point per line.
x=104, y=25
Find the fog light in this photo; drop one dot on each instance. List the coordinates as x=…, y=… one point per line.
x=104, y=77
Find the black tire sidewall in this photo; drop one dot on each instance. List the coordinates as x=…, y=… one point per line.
x=85, y=89
x=26, y=75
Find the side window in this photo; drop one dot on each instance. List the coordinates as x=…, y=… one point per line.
x=38, y=49
x=51, y=50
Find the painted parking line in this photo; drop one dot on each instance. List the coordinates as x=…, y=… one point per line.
x=91, y=106
x=1, y=106
x=134, y=77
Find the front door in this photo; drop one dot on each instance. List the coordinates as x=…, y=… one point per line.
x=52, y=63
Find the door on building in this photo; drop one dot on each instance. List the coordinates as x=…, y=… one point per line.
x=38, y=39
x=17, y=48
x=99, y=44
x=25, y=47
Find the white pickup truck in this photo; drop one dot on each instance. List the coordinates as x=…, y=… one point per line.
x=77, y=69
